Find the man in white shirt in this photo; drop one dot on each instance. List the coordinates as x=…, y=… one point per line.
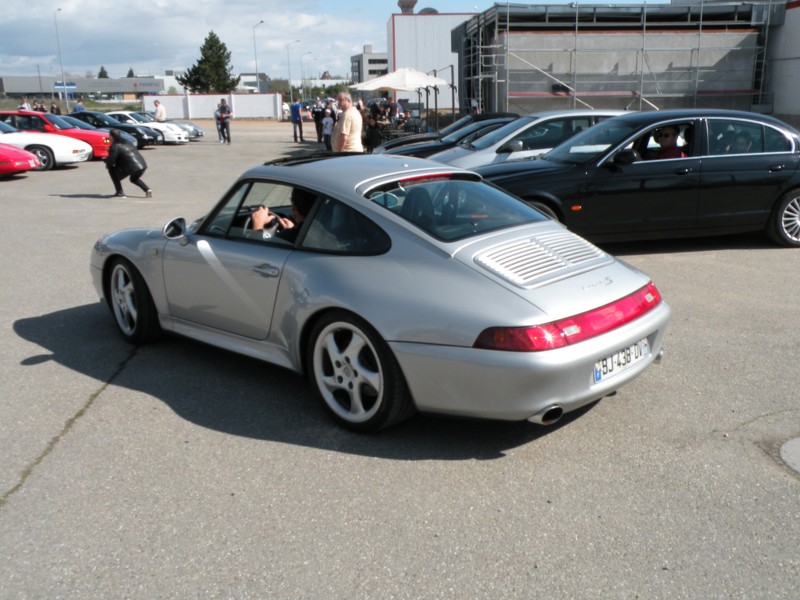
x=161, y=112
x=347, y=132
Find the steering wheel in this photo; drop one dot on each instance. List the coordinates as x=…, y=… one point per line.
x=270, y=230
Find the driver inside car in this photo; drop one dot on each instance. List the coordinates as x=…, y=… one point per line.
x=272, y=224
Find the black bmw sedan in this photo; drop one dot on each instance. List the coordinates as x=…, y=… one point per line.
x=674, y=173
x=144, y=135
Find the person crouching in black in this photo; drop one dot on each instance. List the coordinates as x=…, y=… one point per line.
x=124, y=160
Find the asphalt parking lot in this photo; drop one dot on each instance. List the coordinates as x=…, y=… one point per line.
x=175, y=470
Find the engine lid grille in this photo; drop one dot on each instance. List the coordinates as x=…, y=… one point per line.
x=535, y=261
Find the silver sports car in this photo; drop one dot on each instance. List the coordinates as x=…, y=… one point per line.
x=395, y=284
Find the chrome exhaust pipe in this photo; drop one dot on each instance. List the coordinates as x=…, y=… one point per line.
x=547, y=416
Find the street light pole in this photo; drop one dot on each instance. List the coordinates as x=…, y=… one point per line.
x=303, y=73
x=255, y=54
x=60, y=61
x=289, y=68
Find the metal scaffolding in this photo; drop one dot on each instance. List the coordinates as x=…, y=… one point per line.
x=530, y=57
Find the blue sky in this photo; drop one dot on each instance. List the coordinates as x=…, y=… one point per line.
x=151, y=36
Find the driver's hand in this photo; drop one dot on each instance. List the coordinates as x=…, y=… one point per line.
x=262, y=218
x=284, y=222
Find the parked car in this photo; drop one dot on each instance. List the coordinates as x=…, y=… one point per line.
x=526, y=137
x=143, y=134
x=38, y=122
x=436, y=135
x=172, y=133
x=51, y=150
x=13, y=161
x=410, y=285
x=129, y=139
x=193, y=131
x=607, y=183
x=465, y=135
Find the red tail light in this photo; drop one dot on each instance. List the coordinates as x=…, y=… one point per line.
x=572, y=329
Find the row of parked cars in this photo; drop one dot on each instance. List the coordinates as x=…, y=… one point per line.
x=31, y=140
x=606, y=176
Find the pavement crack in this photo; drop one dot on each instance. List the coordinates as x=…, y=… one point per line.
x=68, y=425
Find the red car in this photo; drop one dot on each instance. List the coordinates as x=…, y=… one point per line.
x=32, y=121
x=14, y=160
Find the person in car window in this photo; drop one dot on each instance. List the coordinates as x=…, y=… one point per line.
x=287, y=227
x=667, y=138
x=741, y=143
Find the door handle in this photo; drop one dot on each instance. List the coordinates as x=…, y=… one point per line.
x=683, y=171
x=776, y=168
x=266, y=270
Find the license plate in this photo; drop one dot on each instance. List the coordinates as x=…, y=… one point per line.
x=620, y=361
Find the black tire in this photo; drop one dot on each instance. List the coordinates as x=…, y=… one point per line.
x=45, y=156
x=131, y=303
x=541, y=207
x=784, y=223
x=356, y=375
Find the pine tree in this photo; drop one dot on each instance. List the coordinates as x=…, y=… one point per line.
x=102, y=74
x=130, y=73
x=212, y=73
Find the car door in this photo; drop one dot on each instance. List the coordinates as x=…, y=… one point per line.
x=649, y=196
x=746, y=167
x=542, y=136
x=222, y=278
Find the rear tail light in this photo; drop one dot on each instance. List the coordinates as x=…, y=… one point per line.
x=572, y=329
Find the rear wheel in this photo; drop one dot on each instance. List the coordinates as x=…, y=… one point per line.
x=45, y=156
x=131, y=303
x=356, y=375
x=540, y=206
x=784, y=224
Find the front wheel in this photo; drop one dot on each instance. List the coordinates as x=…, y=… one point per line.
x=356, y=375
x=784, y=223
x=131, y=303
x=45, y=156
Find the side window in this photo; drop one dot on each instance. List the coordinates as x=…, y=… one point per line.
x=729, y=136
x=338, y=228
x=776, y=141
x=668, y=141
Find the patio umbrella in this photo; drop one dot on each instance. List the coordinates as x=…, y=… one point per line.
x=404, y=79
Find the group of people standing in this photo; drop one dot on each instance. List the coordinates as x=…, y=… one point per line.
x=39, y=106
x=339, y=123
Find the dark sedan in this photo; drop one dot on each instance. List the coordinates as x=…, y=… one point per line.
x=437, y=135
x=675, y=173
x=465, y=135
x=144, y=135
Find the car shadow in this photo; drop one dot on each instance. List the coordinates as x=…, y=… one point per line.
x=241, y=396
x=744, y=241
x=84, y=196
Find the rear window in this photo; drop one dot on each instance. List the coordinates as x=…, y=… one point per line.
x=453, y=209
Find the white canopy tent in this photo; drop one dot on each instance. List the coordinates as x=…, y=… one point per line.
x=404, y=79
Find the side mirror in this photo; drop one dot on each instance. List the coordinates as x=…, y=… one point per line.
x=626, y=157
x=175, y=228
x=509, y=147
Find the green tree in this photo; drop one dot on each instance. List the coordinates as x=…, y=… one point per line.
x=212, y=73
x=130, y=73
x=102, y=74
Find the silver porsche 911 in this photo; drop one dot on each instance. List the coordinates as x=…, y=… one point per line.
x=395, y=284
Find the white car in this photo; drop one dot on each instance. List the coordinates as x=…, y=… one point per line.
x=51, y=150
x=172, y=133
x=526, y=137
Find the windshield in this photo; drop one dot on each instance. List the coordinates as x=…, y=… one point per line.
x=455, y=126
x=452, y=208
x=145, y=117
x=467, y=131
x=106, y=120
x=498, y=135
x=60, y=123
x=591, y=143
x=137, y=117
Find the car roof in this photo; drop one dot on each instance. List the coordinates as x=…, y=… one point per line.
x=647, y=117
x=344, y=174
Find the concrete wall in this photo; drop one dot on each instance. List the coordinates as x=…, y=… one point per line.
x=423, y=43
x=202, y=106
x=784, y=66
x=610, y=69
